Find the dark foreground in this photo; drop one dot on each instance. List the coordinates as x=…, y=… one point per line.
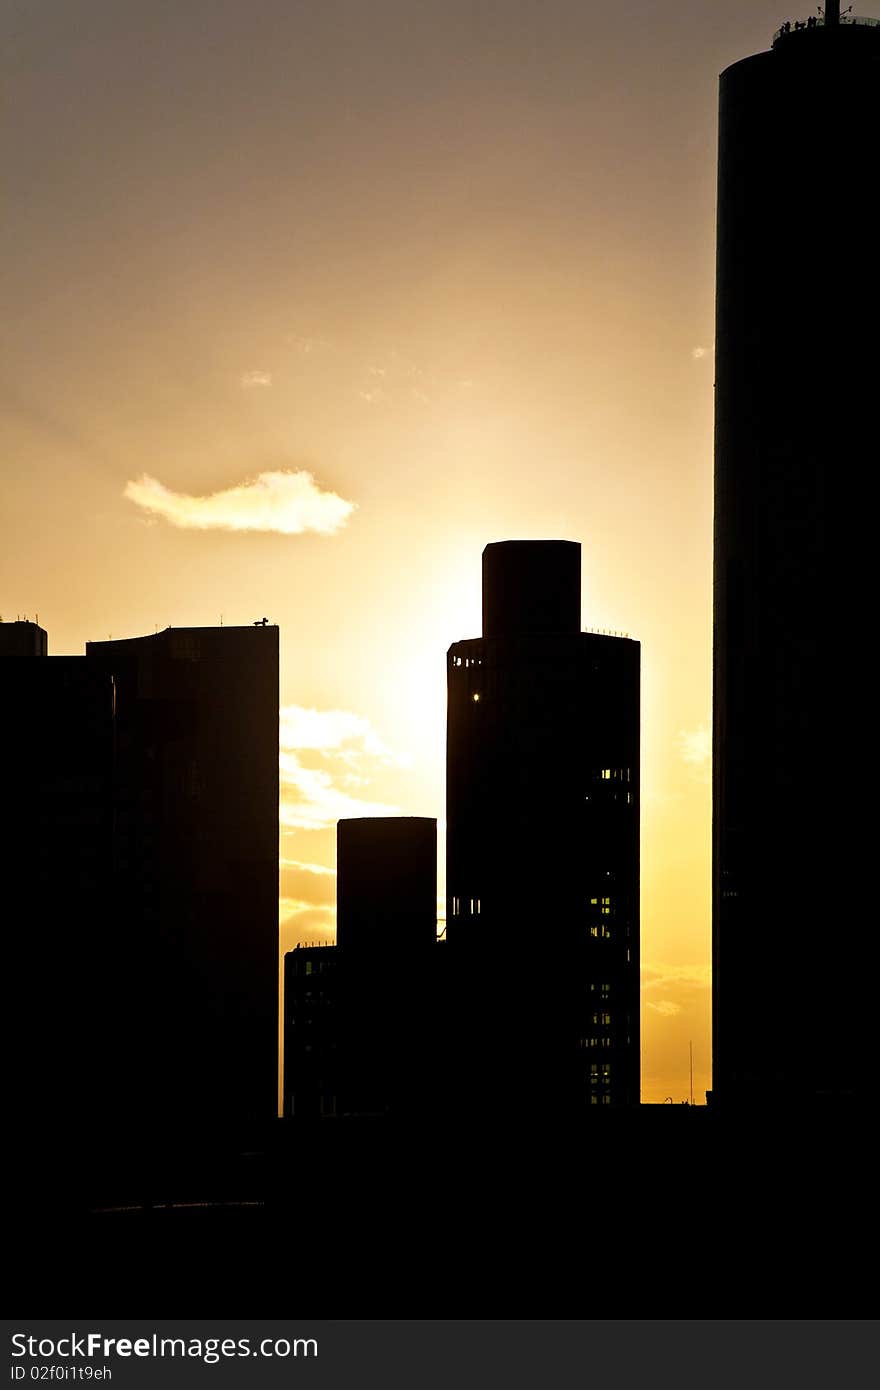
x=663, y=1212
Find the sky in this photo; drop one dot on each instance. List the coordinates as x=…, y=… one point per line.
x=305, y=303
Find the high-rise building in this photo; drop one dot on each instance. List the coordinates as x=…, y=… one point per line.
x=64, y=1006
x=139, y=809
x=360, y=1018
x=543, y=844
x=386, y=874
x=196, y=848
x=795, y=439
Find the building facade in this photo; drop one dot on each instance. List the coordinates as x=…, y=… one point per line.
x=65, y=1009
x=196, y=847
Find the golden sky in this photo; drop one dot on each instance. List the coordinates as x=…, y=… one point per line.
x=306, y=303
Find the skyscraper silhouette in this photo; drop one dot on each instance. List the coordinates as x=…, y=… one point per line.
x=543, y=843
x=140, y=814
x=66, y=1008
x=797, y=314
x=196, y=845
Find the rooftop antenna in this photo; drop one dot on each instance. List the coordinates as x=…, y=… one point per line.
x=691, y=1050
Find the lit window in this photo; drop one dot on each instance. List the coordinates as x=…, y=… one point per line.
x=476, y=697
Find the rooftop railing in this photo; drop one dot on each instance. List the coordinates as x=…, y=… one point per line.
x=800, y=26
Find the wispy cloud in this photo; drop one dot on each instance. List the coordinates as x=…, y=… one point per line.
x=327, y=761
x=699, y=352
x=675, y=978
x=302, y=923
x=307, y=346
x=695, y=749
x=665, y=1007
x=331, y=729
x=312, y=885
x=250, y=379
x=288, y=502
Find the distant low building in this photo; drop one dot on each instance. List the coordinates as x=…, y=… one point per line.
x=362, y=1033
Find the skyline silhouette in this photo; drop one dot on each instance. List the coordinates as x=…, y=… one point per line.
x=337, y=369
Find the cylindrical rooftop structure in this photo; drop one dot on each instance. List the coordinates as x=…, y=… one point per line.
x=531, y=587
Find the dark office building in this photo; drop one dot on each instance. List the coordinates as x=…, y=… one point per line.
x=196, y=844
x=140, y=877
x=795, y=442
x=543, y=844
x=361, y=1031
x=386, y=869
x=23, y=638
x=63, y=1004
x=314, y=1080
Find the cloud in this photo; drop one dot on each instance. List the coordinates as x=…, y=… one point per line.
x=699, y=352
x=287, y=502
x=312, y=799
x=665, y=1007
x=249, y=379
x=307, y=346
x=669, y=990
x=672, y=978
x=327, y=757
x=695, y=747
x=300, y=923
x=307, y=884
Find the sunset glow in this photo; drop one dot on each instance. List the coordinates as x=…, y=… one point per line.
x=303, y=317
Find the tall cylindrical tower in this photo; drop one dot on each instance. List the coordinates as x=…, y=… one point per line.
x=795, y=438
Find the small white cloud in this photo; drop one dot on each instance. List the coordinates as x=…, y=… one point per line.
x=287, y=502
x=697, y=353
x=307, y=346
x=665, y=1007
x=250, y=379
x=695, y=746
x=372, y=397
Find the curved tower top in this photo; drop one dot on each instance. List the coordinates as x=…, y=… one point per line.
x=531, y=587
